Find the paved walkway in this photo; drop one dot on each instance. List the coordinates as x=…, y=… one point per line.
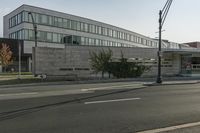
x=143, y=81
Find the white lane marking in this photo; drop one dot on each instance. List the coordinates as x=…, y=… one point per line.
x=115, y=100
x=171, y=128
x=18, y=94
x=111, y=87
x=39, y=94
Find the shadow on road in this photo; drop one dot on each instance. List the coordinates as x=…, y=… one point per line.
x=21, y=112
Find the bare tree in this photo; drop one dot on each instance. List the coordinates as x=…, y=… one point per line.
x=5, y=56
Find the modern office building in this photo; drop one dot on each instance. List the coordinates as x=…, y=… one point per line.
x=59, y=30
x=56, y=29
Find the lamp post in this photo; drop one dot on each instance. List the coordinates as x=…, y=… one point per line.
x=35, y=32
x=162, y=16
x=19, y=56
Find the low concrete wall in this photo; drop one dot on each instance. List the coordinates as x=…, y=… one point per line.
x=75, y=60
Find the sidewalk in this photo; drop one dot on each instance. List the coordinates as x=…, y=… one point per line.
x=178, y=82
x=143, y=81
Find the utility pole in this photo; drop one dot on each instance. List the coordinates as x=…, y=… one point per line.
x=19, y=49
x=162, y=16
x=35, y=32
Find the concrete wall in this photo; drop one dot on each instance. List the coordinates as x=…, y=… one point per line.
x=71, y=60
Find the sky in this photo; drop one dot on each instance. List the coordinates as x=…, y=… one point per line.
x=182, y=23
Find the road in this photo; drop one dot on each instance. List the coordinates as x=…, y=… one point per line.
x=112, y=108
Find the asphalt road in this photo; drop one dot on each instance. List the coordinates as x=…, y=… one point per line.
x=112, y=111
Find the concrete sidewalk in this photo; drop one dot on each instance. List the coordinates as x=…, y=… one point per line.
x=178, y=82
x=143, y=81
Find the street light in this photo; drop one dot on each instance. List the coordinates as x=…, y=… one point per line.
x=35, y=31
x=19, y=56
x=162, y=16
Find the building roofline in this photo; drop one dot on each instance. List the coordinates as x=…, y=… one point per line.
x=14, y=10
x=82, y=18
x=182, y=50
x=192, y=42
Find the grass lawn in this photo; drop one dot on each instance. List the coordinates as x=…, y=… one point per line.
x=25, y=78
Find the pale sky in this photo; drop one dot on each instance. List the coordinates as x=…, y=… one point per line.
x=141, y=16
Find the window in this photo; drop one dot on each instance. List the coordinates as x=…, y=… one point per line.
x=99, y=30
x=44, y=19
x=86, y=27
x=118, y=34
x=110, y=32
x=20, y=34
x=82, y=40
x=78, y=26
x=114, y=33
x=60, y=24
x=122, y=35
x=74, y=25
x=90, y=41
x=26, y=34
x=37, y=18
x=105, y=43
x=67, y=39
x=86, y=41
x=10, y=23
x=55, y=21
x=66, y=23
x=125, y=36
x=30, y=18
x=92, y=28
x=19, y=18
x=55, y=37
x=97, y=42
x=31, y=35
x=139, y=40
x=50, y=20
x=105, y=31
x=42, y=36
x=82, y=27
x=96, y=29
x=128, y=37
x=26, y=16
x=49, y=37
x=60, y=36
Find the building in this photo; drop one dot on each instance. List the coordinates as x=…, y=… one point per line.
x=193, y=44
x=58, y=30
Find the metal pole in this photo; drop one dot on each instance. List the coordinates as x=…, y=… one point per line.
x=159, y=79
x=19, y=73
x=162, y=16
x=35, y=31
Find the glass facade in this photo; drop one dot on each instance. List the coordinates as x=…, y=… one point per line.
x=50, y=37
x=42, y=19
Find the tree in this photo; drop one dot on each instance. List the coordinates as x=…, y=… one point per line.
x=100, y=61
x=125, y=69
x=5, y=55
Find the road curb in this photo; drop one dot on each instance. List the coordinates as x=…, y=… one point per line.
x=168, y=83
x=177, y=82
x=71, y=82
